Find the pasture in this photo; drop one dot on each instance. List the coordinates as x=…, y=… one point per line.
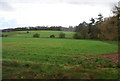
x=24, y=34
x=25, y=57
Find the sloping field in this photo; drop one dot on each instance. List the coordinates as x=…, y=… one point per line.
x=42, y=33
x=55, y=58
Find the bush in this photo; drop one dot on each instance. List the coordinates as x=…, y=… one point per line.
x=77, y=36
x=62, y=35
x=3, y=35
x=36, y=35
x=52, y=36
x=27, y=31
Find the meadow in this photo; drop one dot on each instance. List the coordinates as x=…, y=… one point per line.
x=46, y=34
x=25, y=57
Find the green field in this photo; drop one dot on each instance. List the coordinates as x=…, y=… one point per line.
x=23, y=34
x=25, y=57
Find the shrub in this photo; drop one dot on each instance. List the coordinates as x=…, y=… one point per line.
x=52, y=36
x=27, y=31
x=77, y=36
x=3, y=35
x=62, y=35
x=36, y=35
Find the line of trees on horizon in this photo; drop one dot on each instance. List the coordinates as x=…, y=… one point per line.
x=52, y=28
x=100, y=28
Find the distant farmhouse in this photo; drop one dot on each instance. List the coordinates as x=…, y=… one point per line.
x=6, y=30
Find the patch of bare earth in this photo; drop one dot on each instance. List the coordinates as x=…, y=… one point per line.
x=114, y=57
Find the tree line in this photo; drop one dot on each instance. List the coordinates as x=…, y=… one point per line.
x=52, y=28
x=100, y=28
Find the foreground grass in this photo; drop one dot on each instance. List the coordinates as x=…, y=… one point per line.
x=31, y=70
x=45, y=58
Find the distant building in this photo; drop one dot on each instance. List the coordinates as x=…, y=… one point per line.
x=6, y=30
x=67, y=29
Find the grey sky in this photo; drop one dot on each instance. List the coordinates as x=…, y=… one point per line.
x=62, y=1
x=5, y=6
x=51, y=12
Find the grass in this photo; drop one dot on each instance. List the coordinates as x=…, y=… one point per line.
x=25, y=57
x=113, y=42
x=23, y=34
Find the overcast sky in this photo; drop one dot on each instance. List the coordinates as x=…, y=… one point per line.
x=16, y=13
